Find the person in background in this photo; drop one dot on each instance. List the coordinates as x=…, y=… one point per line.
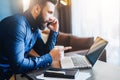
x=21, y=33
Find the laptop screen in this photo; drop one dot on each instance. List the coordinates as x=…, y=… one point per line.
x=96, y=50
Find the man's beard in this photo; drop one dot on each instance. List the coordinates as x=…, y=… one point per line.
x=40, y=22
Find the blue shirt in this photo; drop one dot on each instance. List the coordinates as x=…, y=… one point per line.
x=18, y=35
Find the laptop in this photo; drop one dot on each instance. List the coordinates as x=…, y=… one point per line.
x=86, y=61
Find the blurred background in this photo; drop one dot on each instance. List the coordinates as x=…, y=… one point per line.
x=83, y=18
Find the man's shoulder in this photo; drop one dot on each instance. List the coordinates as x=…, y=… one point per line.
x=13, y=22
x=16, y=18
x=19, y=18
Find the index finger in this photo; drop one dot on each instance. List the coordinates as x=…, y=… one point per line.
x=67, y=48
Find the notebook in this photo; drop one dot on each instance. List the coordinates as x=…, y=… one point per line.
x=62, y=73
x=86, y=61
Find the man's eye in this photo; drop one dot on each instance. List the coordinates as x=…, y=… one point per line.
x=50, y=12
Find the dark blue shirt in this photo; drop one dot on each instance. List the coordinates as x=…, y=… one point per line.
x=18, y=35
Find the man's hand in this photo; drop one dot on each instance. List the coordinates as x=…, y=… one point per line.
x=54, y=25
x=56, y=53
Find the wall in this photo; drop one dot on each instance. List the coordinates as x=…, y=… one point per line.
x=9, y=7
x=64, y=12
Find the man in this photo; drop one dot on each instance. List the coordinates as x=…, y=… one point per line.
x=22, y=32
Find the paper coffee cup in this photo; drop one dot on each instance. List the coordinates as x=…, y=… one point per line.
x=61, y=50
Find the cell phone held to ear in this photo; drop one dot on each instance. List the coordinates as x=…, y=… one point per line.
x=48, y=23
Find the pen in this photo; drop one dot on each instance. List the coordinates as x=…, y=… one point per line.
x=60, y=72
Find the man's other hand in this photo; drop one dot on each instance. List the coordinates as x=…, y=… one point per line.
x=56, y=52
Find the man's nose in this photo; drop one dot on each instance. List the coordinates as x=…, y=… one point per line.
x=50, y=19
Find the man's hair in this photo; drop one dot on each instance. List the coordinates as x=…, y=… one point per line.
x=42, y=3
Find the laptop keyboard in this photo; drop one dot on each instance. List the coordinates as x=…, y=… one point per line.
x=79, y=61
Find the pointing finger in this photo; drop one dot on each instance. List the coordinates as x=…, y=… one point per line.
x=67, y=48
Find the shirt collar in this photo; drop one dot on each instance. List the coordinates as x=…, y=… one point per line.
x=30, y=19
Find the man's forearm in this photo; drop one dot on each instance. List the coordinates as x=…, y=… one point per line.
x=52, y=40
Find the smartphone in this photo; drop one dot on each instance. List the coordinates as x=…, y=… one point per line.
x=48, y=23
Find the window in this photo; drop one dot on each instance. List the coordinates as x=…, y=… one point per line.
x=25, y=4
x=99, y=18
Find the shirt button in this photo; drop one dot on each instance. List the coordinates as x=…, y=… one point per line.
x=48, y=64
x=32, y=29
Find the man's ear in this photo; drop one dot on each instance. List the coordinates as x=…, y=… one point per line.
x=37, y=9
